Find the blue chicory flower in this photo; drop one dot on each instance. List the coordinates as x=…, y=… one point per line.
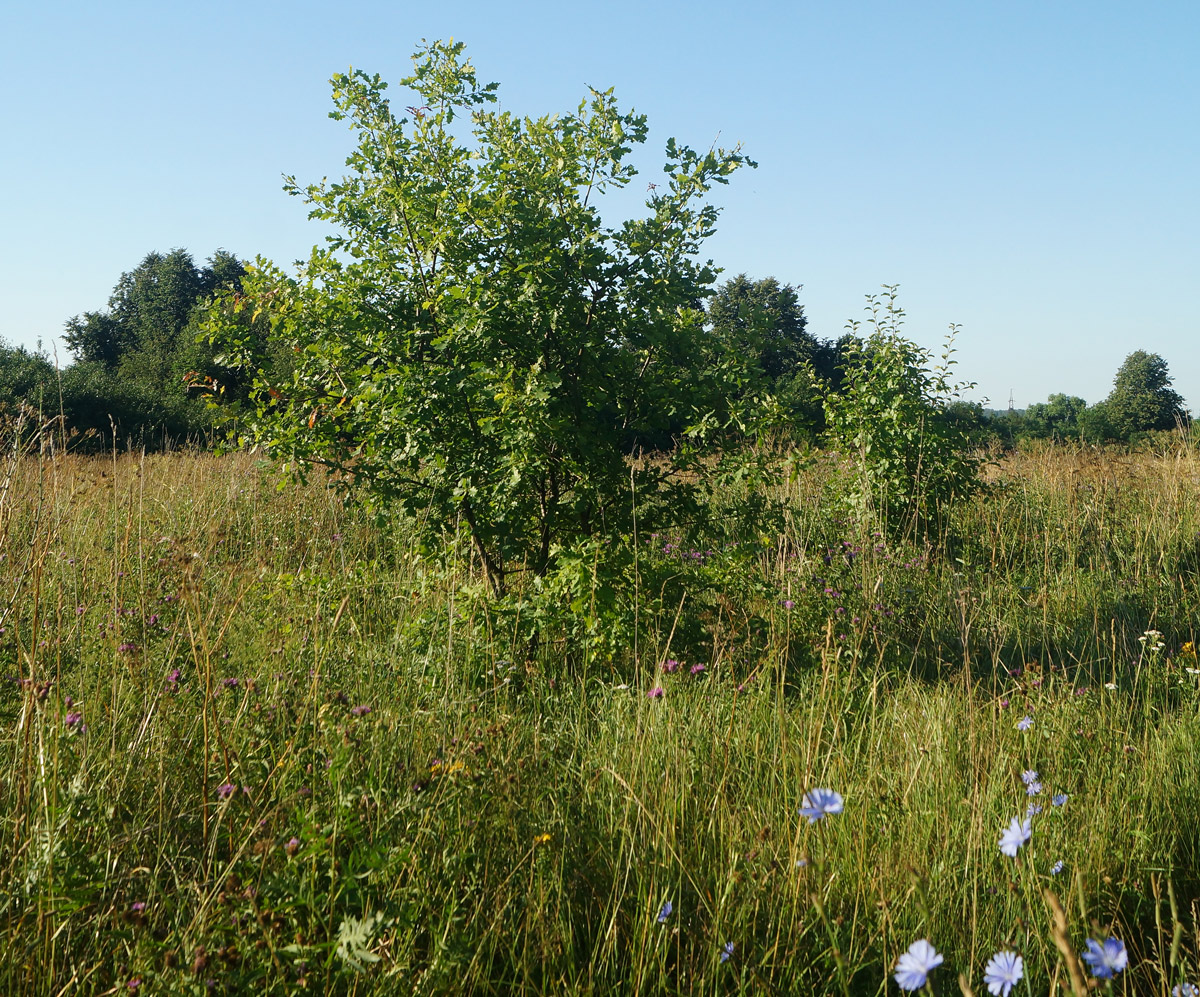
x=818, y=803
x=1106, y=960
x=1015, y=835
x=913, y=968
x=1003, y=971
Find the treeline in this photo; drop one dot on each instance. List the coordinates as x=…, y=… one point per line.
x=145, y=374
x=1141, y=402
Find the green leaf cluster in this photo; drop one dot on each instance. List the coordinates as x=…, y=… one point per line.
x=907, y=453
x=474, y=342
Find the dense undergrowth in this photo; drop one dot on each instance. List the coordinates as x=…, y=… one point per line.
x=255, y=741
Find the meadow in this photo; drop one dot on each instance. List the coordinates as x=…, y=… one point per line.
x=255, y=740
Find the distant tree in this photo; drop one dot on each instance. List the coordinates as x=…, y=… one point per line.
x=1057, y=418
x=148, y=309
x=149, y=330
x=26, y=377
x=765, y=322
x=1096, y=424
x=1142, y=398
x=762, y=324
x=136, y=358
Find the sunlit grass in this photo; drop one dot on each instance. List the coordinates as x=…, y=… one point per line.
x=308, y=757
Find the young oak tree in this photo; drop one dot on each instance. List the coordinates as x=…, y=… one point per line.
x=474, y=343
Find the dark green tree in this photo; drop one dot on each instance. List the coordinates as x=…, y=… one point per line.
x=1142, y=398
x=1096, y=424
x=136, y=359
x=26, y=378
x=148, y=333
x=761, y=325
x=474, y=343
x=1055, y=419
x=147, y=312
x=764, y=322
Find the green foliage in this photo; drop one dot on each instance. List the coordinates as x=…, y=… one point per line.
x=138, y=360
x=1058, y=418
x=1142, y=399
x=474, y=343
x=26, y=378
x=762, y=324
x=233, y=766
x=765, y=322
x=98, y=403
x=908, y=454
x=1096, y=424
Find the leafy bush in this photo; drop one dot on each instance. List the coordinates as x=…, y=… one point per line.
x=97, y=402
x=474, y=345
x=908, y=453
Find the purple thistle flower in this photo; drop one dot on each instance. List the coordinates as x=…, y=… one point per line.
x=697, y=668
x=73, y=720
x=360, y=711
x=225, y=790
x=655, y=693
x=670, y=665
x=138, y=906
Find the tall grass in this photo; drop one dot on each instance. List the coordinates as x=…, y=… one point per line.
x=254, y=740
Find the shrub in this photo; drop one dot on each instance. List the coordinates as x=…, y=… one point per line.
x=907, y=454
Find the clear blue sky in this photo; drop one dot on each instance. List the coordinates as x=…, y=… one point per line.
x=1030, y=170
